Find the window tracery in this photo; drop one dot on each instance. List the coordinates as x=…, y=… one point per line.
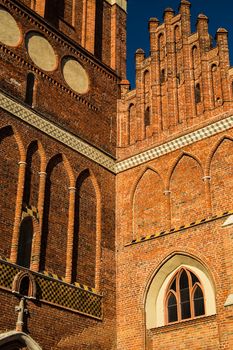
x=184, y=298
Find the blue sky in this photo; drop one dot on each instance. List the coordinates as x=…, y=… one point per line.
x=220, y=14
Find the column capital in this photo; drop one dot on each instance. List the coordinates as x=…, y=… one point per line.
x=167, y=192
x=206, y=178
x=72, y=189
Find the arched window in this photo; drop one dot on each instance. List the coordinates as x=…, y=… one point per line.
x=195, y=56
x=30, y=89
x=161, y=46
x=184, y=298
x=24, y=286
x=25, y=243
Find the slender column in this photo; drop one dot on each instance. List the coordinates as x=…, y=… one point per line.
x=207, y=180
x=41, y=196
x=98, y=247
x=139, y=58
x=39, y=7
x=90, y=25
x=84, y=24
x=155, y=122
x=18, y=211
x=37, y=238
x=167, y=224
x=70, y=235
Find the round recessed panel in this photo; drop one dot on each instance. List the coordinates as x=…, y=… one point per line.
x=41, y=52
x=75, y=75
x=9, y=31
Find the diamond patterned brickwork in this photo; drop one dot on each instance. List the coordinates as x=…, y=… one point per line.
x=80, y=299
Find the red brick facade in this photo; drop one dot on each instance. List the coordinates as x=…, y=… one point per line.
x=107, y=192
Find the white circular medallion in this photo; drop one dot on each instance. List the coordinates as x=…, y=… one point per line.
x=41, y=52
x=75, y=75
x=9, y=31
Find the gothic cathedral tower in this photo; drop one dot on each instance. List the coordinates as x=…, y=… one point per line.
x=61, y=62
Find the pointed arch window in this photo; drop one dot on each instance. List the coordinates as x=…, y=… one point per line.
x=25, y=243
x=184, y=298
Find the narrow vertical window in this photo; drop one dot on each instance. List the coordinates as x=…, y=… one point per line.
x=199, y=307
x=197, y=93
x=30, y=89
x=184, y=296
x=161, y=45
x=172, y=308
x=147, y=117
x=162, y=76
x=195, y=56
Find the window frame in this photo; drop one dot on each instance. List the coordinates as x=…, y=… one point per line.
x=192, y=288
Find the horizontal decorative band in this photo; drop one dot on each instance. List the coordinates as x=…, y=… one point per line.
x=51, y=290
x=180, y=228
x=175, y=144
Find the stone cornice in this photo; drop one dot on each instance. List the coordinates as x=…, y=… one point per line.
x=98, y=156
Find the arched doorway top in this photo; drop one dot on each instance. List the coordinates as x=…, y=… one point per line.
x=12, y=337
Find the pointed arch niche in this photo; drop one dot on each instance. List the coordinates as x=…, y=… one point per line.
x=187, y=191
x=86, y=229
x=221, y=170
x=155, y=307
x=9, y=170
x=132, y=124
x=149, y=208
x=55, y=219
